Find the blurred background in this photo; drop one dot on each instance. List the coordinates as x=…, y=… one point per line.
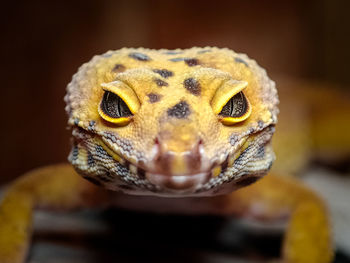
x=44, y=42
x=304, y=45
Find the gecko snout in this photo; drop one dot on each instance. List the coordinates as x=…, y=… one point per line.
x=182, y=158
x=179, y=166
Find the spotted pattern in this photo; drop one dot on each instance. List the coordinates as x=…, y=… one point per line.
x=123, y=143
x=261, y=152
x=100, y=151
x=234, y=138
x=153, y=97
x=191, y=62
x=171, y=52
x=180, y=111
x=122, y=170
x=164, y=72
x=239, y=60
x=75, y=153
x=90, y=159
x=118, y=68
x=161, y=83
x=260, y=124
x=193, y=86
x=139, y=56
x=91, y=126
x=204, y=51
x=177, y=59
x=128, y=175
x=243, y=155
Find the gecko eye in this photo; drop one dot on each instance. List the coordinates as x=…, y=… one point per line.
x=230, y=103
x=237, y=106
x=237, y=109
x=114, y=109
x=113, y=106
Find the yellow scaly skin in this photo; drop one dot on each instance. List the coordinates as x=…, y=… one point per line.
x=174, y=142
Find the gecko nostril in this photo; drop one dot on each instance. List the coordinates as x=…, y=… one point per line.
x=156, y=149
x=161, y=157
x=194, y=156
x=156, y=141
x=170, y=159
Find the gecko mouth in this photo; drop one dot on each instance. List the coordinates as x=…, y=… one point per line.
x=252, y=157
x=178, y=183
x=143, y=177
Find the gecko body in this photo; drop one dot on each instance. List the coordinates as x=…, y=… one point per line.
x=176, y=131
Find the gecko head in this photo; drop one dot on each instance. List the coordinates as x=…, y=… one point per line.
x=146, y=123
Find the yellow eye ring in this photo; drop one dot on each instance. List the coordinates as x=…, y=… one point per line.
x=230, y=103
x=233, y=120
x=121, y=121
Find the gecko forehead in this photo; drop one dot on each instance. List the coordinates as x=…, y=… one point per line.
x=171, y=121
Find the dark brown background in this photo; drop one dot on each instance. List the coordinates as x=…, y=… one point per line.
x=44, y=42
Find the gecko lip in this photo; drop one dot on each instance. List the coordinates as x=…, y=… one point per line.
x=179, y=182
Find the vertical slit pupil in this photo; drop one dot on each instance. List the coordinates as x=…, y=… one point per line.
x=235, y=107
x=113, y=106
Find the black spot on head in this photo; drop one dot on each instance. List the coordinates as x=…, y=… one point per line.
x=160, y=82
x=239, y=60
x=164, y=73
x=76, y=121
x=247, y=181
x=139, y=56
x=180, y=111
x=193, y=86
x=204, y=51
x=191, y=62
x=118, y=68
x=177, y=59
x=153, y=97
x=172, y=52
